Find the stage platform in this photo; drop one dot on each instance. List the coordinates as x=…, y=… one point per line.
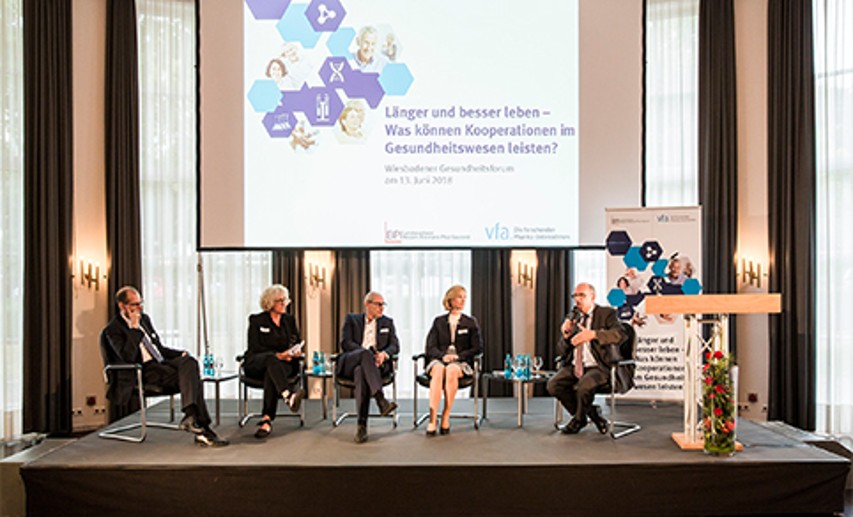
x=499, y=469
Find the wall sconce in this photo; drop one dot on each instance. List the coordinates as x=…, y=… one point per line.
x=750, y=271
x=316, y=276
x=525, y=274
x=90, y=274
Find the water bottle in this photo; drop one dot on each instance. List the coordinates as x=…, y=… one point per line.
x=208, y=365
x=508, y=367
x=315, y=362
x=527, y=367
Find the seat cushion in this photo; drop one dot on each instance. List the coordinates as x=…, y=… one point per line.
x=424, y=380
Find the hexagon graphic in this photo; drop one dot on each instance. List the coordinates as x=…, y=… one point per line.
x=395, y=79
x=267, y=9
x=365, y=85
x=625, y=312
x=279, y=123
x=659, y=267
x=671, y=289
x=651, y=251
x=656, y=283
x=634, y=299
x=618, y=242
x=325, y=15
x=336, y=72
x=322, y=106
x=633, y=258
x=616, y=297
x=264, y=95
x=691, y=286
x=339, y=42
x=294, y=26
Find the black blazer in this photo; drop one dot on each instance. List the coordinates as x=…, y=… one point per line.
x=609, y=335
x=353, y=334
x=265, y=337
x=120, y=344
x=468, y=340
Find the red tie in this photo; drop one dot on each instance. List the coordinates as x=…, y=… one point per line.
x=579, y=353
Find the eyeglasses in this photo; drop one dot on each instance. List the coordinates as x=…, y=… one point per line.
x=280, y=300
x=136, y=304
x=379, y=304
x=578, y=295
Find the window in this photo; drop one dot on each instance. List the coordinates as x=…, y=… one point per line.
x=833, y=53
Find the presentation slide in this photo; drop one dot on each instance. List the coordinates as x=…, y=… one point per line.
x=414, y=124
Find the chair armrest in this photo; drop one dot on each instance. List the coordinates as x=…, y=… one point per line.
x=240, y=358
x=418, y=356
x=122, y=366
x=558, y=362
x=626, y=362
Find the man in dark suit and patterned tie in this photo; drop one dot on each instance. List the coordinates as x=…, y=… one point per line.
x=587, y=334
x=132, y=339
x=368, y=341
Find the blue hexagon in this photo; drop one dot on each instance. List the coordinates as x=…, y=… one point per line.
x=651, y=251
x=691, y=286
x=618, y=242
x=616, y=297
x=659, y=267
x=395, y=79
x=264, y=95
x=294, y=26
x=267, y=9
x=339, y=42
x=325, y=15
x=633, y=258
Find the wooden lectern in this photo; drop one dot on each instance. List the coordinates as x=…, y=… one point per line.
x=705, y=311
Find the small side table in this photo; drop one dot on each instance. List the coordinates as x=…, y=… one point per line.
x=324, y=377
x=218, y=378
x=521, y=392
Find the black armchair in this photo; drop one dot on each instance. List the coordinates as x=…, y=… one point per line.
x=467, y=381
x=342, y=382
x=247, y=382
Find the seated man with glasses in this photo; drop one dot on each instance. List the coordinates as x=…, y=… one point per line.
x=587, y=330
x=368, y=341
x=133, y=338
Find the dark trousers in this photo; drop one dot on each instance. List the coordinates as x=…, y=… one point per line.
x=360, y=366
x=180, y=373
x=278, y=376
x=577, y=395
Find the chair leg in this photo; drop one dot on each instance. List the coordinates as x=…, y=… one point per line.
x=626, y=427
x=171, y=408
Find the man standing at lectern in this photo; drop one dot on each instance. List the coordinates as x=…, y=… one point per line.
x=132, y=339
x=586, y=333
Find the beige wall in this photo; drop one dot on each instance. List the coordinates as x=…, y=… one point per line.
x=89, y=305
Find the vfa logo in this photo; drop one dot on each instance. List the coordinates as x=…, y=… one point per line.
x=663, y=218
x=497, y=232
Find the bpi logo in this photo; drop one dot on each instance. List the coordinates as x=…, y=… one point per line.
x=497, y=232
x=393, y=236
x=663, y=218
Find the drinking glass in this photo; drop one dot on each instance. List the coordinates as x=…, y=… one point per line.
x=537, y=363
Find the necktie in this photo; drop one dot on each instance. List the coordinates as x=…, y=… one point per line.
x=155, y=354
x=579, y=352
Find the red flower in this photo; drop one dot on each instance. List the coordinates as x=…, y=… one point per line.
x=705, y=368
x=718, y=355
x=707, y=423
x=712, y=396
x=708, y=356
x=718, y=411
x=730, y=425
x=719, y=388
x=709, y=380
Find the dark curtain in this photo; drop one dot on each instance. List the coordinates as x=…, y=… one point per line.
x=350, y=283
x=491, y=304
x=48, y=201
x=791, y=210
x=553, y=300
x=718, y=191
x=288, y=270
x=124, y=246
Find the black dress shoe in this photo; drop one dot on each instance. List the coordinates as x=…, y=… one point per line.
x=190, y=425
x=209, y=439
x=263, y=432
x=444, y=430
x=385, y=407
x=573, y=427
x=599, y=421
x=361, y=433
x=295, y=400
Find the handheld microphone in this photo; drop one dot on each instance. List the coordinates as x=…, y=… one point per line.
x=575, y=316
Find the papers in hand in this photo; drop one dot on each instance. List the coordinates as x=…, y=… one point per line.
x=295, y=349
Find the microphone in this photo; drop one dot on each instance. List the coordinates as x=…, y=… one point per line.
x=575, y=316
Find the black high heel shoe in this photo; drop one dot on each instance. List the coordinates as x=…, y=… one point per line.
x=263, y=432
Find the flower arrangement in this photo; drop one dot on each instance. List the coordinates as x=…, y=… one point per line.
x=718, y=405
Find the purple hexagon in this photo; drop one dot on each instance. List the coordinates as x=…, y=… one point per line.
x=279, y=123
x=267, y=9
x=365, y=85
x=322, y=106
x=618, y=242
x=325, y=15
x=336, y=72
